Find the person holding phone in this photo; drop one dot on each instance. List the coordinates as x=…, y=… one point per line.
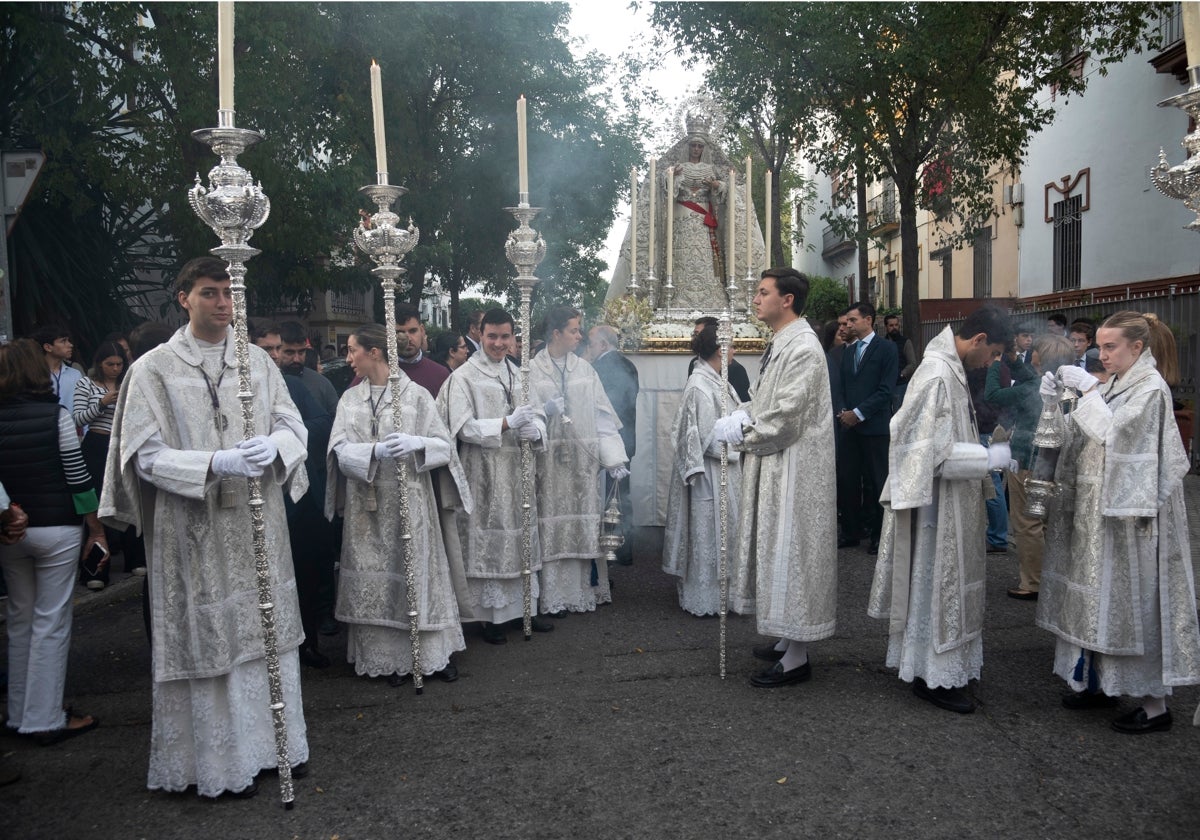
x=43, y=472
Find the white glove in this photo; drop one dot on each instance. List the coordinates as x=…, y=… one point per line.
x=522, y=416
x=617, y=473
x=1014, y=467
x=231, y=462
x=1077, y=378
x=529, y=432
x=558, y=405
x=999, y=454
x=728, y=429
x=1049, y=386
x=260, y=450
x=400, y=445
x=742, y=417
x=381, y=451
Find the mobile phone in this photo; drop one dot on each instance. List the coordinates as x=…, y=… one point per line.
x=95, y=557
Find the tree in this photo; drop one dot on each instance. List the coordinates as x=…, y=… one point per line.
x=113, y=91
x=910, y=84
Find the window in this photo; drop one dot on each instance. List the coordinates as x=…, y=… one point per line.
x=1068, y=242
x=943, y=258
x=982, y=246
x=891, y=288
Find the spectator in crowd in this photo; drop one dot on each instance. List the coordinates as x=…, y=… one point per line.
x=474, y=334
x=908, y=357
x=42, y=471
x=986, y=416
x=1022, y=405
x=414, y=362
x=57, y=349
x=1023, y=344
x=619, y=376
x=95, y=404
x=450, y=349
x=146, y=336
x=869, y=369
x=1056, y=324
x=1082, y=336
x=118, y=337
x=293, y=344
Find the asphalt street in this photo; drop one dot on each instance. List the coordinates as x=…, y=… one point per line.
x=617, y=725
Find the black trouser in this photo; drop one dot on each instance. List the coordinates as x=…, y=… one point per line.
x=862, y=469
x=310, y=542
x=95, y=453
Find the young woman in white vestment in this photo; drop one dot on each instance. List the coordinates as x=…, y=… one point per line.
x=1117, y=585
x=582, y=443
x=363, y=485
x=691, y=544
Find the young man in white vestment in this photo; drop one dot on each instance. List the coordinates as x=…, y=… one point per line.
x=583, y=444
x=364, y=447
x=930, y=573
x=785, y=567
x=177, y=470
x=481, y=404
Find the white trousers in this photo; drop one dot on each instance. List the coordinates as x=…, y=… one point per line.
x=40, y=573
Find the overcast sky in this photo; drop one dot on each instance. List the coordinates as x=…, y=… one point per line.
x=612, y=27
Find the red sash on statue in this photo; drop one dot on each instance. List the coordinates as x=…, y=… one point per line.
x=709, y=219
x=710, y=222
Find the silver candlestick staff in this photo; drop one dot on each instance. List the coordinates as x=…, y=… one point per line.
x=234, y=207
x=1182, y=182
x=525, y=248
x=725, y=337
x=386, y=244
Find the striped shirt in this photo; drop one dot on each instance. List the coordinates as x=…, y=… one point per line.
x=88, y=410
x=79, y=480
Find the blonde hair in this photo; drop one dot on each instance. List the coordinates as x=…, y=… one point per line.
x=1053, y=351
x=1155, y=337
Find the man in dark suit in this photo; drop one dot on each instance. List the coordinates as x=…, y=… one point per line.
x=619, y=377
x=870, y=365
x=739, y=380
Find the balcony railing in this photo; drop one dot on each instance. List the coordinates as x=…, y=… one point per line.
x=348, y=303
x=883, y=212
x=834, y=243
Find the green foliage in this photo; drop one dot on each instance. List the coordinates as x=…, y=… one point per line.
x=908, y=84
x=827, y=298
x=452, y=74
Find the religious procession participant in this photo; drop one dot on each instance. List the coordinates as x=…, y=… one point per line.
x=1117, y=587
x=929, y=577
x=691, y=545
x=583, y=443
x=785, y=568
x=363, y=449
x=480, y=403
x=177, y=469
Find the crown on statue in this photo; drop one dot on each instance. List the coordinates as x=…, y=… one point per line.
x=701, y=115
x=698, y=124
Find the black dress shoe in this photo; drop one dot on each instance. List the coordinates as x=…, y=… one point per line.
x=397, y=680
x=559, y=614
x=300, y=770
x=1087, y=700
x=848, y=542
x=540, y=625
x=950, y=699
x=767, y=653
x=329, y=626
x=1136, y=722
x=775, y=676
x=493, y=634
x=313, y=659
x=247, y=792
x=1023, y=594
x=447, y=674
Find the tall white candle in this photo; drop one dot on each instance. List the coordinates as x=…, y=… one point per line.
x=633, y=236
x=653, y=184
x=767, y=223
x=1191, y=32
x=225, y=54
x=377, y=118
x=522, y=149
x=731, y=216
x=670, y=219
x=748, y=208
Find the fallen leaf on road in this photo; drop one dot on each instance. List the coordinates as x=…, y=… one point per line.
x=781, y=781
x=358, y=716
x=320, y=790
x=638, y=650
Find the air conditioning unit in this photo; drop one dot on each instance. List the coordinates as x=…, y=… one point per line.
x=1018, y=194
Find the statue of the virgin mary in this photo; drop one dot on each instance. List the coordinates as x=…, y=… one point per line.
x=702, y=178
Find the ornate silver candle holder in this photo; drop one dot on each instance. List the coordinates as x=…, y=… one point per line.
x=525, y=248
x=386, y=243
x=234, y=207
x=1182, y=182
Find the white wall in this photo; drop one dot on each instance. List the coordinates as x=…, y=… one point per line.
x=1132, y=232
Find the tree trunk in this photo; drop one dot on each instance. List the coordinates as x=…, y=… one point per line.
x=860, y=201
x=909, y=262
x=455, y=315
x=776, y=257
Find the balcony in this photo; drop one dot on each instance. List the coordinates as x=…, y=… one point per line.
x=1172, y=54
x=883, y=213
x=348, y=304
x=835, y=243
